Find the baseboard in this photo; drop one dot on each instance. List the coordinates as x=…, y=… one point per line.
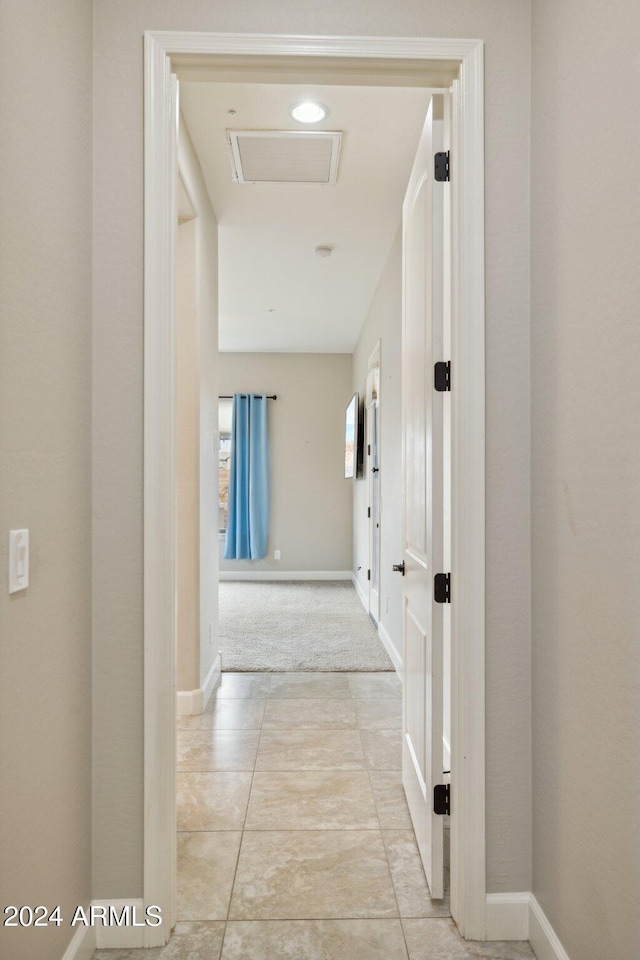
x=507, y=916
x=284, y=575
x=543, y=938
x=82, y=944
x=112, y=937
x=391, y=649
x=186, y=702
x=212, y=680
x=364, y=600
x=193, y=702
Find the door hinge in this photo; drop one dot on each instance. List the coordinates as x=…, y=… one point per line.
x=441, y=167
x=442, y=799
x=442, y=376
x=368, y=574
x=368, y=511
x=442, y=588
x=369, y=449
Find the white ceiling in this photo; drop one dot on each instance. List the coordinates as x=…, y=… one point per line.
x=275, y=295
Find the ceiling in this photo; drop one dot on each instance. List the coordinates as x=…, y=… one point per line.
x=275, y=295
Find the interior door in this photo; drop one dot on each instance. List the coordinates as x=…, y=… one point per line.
x=373, y=441
x=424, y=520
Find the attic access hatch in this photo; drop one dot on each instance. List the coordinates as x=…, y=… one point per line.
x=284, y=156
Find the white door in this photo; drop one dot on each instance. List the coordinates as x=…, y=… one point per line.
x=373, y=446
x=424, y=509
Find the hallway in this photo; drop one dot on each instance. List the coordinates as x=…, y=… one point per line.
x=294, y=838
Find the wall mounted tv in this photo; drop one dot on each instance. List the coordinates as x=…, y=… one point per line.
x=354, y=439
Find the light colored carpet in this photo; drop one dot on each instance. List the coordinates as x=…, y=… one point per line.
x=297, y=625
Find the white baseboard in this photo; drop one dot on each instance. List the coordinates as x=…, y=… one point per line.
x=192, y=702
x=543, y=938
x=392, y=650
x=364, y=600
x=82, y=945
x=285, y=575
x=87, y=939
x=186, y=702
x=507, y=916
x=212, y=680
x=109, y=938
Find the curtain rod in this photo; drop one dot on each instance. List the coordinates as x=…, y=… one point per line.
x=243, y=395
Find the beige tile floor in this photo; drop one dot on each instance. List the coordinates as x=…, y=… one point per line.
x=294, y=837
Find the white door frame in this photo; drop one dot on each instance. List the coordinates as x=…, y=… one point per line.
x=468, y=893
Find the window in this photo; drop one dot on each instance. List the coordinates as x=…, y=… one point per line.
x=224, y=427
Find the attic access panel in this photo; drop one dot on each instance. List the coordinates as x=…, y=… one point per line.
x=284, y=156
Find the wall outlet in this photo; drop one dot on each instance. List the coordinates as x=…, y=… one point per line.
x=277, y=554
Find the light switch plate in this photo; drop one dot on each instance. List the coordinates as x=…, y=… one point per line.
x=18, y=560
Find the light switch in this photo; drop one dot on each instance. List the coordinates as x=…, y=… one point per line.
x=18, y=560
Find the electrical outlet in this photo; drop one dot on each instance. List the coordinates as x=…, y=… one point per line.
x=277, y=554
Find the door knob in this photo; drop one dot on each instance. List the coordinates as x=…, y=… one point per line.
x=399, y=568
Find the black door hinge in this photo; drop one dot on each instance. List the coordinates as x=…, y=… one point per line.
x=368, y=511
x=442, y=588
x=368, y=574
x=369, y=449
x=442, y=799
x=441, y=167
x=442, y=376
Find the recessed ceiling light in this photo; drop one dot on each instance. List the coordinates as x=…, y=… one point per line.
x=309, y=112
x=323, y=251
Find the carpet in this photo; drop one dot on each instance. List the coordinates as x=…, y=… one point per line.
x=297, y=625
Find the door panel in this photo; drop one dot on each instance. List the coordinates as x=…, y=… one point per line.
x=422, y=760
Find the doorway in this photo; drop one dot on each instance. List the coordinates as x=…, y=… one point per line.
x=372, y=59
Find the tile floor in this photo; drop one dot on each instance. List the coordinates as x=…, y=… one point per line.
x=294, y=837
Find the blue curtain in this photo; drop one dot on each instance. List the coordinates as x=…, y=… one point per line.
x=248, y=513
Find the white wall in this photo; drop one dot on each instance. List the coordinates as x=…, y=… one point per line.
x=586, y=475
x=383, y=323
x=117, y=396
x=45, y=464
x=310, y=501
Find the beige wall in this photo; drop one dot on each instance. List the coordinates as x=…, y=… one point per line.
x=188, y=460
x=117, y=397
x=45, y=399
x=310, y=515
x=586, y=475
x=383, y=323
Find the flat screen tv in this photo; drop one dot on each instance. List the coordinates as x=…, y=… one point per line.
x=353, y=439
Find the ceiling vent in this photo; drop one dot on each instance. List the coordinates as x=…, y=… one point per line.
x=284, y=156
